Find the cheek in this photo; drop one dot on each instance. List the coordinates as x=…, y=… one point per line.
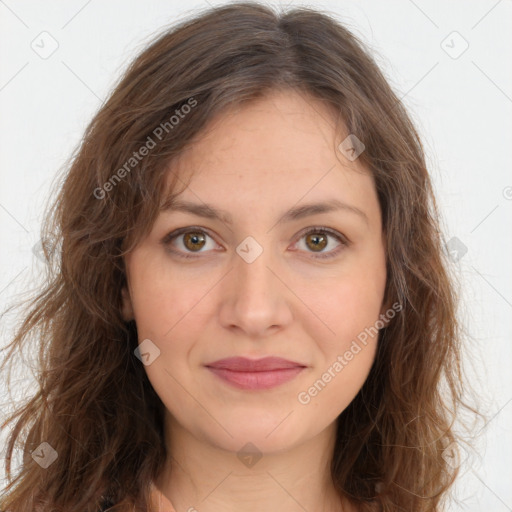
x=347, y=355
x=351, y=311
x=166, y=312
x=346, y=305
x=163, y=300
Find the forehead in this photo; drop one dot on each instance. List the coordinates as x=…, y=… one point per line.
x=277, y=150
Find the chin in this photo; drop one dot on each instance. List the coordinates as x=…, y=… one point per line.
x=249, y=439
x=267, y=432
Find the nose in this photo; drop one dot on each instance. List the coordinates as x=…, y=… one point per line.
x=255, y=298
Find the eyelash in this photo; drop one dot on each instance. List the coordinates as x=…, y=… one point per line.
x=316, y=229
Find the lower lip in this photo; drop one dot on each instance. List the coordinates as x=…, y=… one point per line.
x=257, y=380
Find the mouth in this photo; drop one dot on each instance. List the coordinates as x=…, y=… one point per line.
x=255, y=374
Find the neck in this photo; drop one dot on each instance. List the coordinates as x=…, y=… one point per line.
x=201, y=476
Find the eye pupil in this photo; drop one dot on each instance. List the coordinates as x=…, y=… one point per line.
x=317, y=245
x=194, y=238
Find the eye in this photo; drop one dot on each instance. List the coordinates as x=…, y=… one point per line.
x=189, y=239
x=194, y=239
x=316, y=239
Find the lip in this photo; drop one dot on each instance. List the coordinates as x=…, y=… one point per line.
x=255, y=374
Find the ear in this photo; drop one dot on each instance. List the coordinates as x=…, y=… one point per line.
x=383, y=316
x=127, y=307
x=385, y=307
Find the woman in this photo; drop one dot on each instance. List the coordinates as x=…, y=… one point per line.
x=248, y=306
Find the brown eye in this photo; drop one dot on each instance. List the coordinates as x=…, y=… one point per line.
x=322, y=242
x=316, y=241
x=194, y=241
x=189, y=242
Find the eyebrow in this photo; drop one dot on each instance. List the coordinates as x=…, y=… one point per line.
x=299, y=212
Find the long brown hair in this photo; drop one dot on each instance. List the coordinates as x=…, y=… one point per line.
x=95, y=406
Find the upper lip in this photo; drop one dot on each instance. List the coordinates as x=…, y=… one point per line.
x=243, y=364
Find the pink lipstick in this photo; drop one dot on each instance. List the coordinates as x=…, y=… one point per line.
x=255, y=374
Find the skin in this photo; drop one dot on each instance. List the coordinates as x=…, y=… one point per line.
x=256, y=162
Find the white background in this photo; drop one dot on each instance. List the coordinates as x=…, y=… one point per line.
x=462, y=107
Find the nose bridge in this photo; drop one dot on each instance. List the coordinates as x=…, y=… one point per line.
x=251, y=267
x=252, y=275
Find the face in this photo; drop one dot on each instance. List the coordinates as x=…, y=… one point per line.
x=304, y=289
